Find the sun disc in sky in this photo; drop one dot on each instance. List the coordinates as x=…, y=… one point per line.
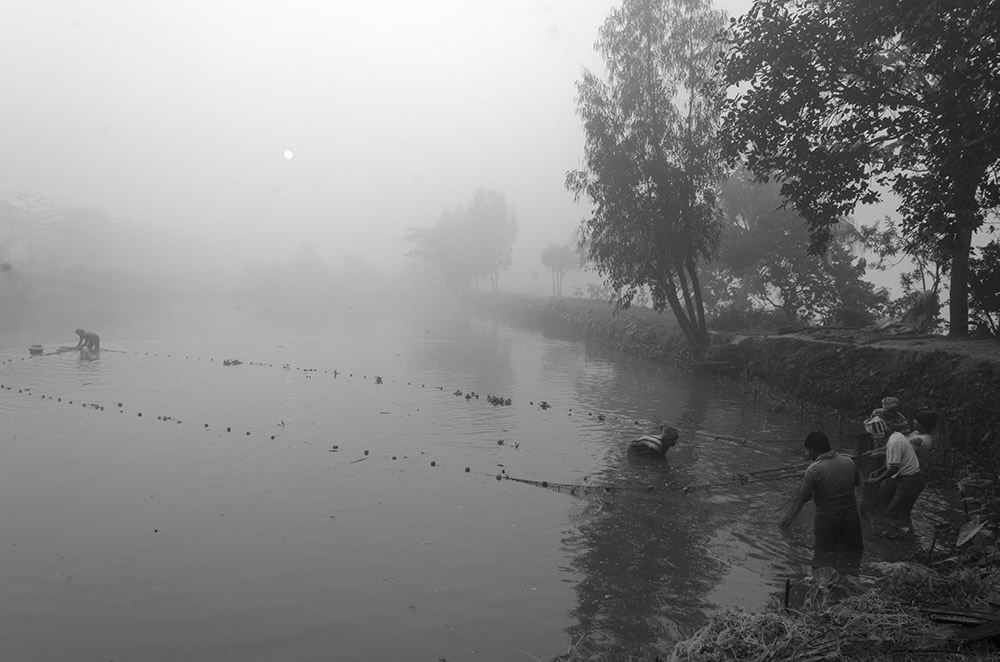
x=288, y=154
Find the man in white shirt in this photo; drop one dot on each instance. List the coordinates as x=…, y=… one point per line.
x=900, y=482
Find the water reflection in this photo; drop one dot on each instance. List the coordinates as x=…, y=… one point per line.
x=257, y=469
x=645, y=569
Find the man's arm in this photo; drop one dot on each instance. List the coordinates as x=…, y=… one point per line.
x=801, y=497
x=793, y=513
x=890, y=472
x=893, y=458
x=883, y=474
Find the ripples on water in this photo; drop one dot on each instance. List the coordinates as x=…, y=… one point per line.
x=274, y=510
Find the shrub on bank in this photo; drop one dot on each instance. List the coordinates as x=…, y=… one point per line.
x=749, y=321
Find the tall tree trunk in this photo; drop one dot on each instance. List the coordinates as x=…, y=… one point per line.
x=699, y=301
x=697, y=341
x=689, y=335
x=967, y=219
x=686, y=290
x=791, y=310
x=958, y=304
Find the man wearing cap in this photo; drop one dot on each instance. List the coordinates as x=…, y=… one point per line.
x=885, y=420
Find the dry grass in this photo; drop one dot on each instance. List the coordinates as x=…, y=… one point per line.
x=849, y=619
x=868, y=619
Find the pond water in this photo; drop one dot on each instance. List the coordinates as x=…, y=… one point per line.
x=336, y=496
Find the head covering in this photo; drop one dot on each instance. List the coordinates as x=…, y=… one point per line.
x=890, y=403
x=670, y=436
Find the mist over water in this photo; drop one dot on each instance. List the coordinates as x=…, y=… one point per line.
x=357, y=528
x=200, y=183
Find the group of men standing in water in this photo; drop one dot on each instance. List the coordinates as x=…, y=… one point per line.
x=831, y=479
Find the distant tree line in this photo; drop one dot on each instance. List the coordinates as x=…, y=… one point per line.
x=54, y=252
x=559, y=259
x=59, y=250
x=469, y=243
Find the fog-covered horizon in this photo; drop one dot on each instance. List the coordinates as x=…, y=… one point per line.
x=249, y=130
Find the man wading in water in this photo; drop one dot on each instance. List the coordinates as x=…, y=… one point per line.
x=901, y=481
x=830, y=481
x=88, y=340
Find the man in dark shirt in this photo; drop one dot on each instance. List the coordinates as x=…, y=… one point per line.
x=829, y=482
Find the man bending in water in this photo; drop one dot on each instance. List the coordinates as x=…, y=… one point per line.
x=88, y=340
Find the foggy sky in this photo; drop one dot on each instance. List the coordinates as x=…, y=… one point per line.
x=180, y=113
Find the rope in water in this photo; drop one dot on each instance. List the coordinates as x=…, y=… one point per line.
x=773, y=474
x=740, y=479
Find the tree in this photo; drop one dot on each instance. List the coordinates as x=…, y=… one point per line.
x=984, y=287
x=445, y=246
x=23, y=223
x=559, y=260
x=8, y=230
x=763, y=259
x=930, y=264
x=469, y=243
x=651, y=155
x=842, y=100
x=493, y=229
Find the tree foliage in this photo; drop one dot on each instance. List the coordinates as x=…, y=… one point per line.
x=984, y=288
x=444, y=246
x=763, y=261
x=651, y=154
x=930, y=264
x=25, y=220
x=63, y=250
x=559, y=260
x=842, y=100
x=493, y=226
x=469, y=243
